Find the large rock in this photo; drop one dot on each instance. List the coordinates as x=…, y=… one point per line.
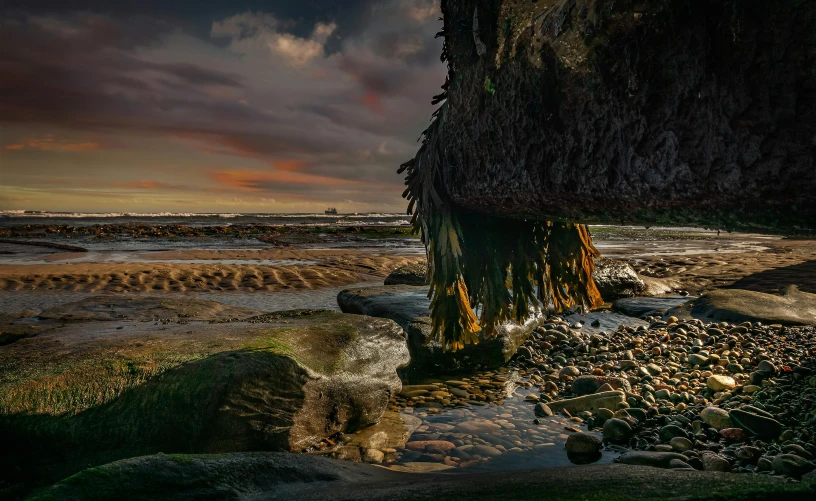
x=109, y=389
x=560, y=111
x=270, y=476
x=793, y=307
x=616, y=279
x=409, y=307
x=410, y=274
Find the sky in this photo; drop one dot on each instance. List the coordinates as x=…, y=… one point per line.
x=211, y=105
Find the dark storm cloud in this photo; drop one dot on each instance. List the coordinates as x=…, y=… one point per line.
x=352, y=16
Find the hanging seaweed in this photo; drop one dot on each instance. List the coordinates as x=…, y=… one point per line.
x=503, y=268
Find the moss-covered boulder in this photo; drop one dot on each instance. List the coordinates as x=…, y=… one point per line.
x=409, y=307
x=90, y=392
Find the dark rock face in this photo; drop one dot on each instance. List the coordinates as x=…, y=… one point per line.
x=616, y=279
x=111, y=389
x=412, y=274
x=666, y=112
x=409, y=307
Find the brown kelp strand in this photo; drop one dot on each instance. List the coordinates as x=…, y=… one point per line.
x=506, y=268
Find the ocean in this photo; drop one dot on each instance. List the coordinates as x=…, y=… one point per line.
x=15, y=217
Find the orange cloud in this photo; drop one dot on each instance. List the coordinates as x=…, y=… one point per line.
x=290, y=165
x=255, y=181
x=143, y=185
x=372, y=101
x=51, y=144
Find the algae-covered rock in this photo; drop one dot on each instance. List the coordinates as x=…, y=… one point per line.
x=409, y=307
x=91, y=392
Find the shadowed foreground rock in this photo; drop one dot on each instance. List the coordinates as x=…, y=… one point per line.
x=632, y=112
x=277, y=476
x=409, y=307
x=104, y=390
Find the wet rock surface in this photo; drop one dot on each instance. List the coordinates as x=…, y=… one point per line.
x=409, y=307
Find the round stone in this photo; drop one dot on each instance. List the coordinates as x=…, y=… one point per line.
x=791, y=465
x=583, y=443
x=716, y=418
x=721, y=383
x=542, y=410
x=617, y=430
x=373, y=456
x=681, y=444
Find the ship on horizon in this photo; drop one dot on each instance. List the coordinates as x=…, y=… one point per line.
x=331, y=211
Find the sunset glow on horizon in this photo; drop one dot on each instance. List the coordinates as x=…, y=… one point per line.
x=213, y=106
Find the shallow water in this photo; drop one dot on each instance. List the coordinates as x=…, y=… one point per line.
x=326, y=298
x=521, y=443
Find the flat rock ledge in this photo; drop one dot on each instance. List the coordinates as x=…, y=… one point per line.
x=281, y=476
x=792, y=307
x=109, y=389
x=409, y=307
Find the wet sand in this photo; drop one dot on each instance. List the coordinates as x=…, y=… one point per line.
x=231, y=270
x=784, y=263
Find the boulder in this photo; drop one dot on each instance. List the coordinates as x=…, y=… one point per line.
x=409, y=307
x=410, y=274
x=616, y=279
x=110, y=389
x=793, y=307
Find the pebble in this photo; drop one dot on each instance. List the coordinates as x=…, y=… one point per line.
x=720, y=383
x=716, y=418
x=583, y=443
x=617, y=430
x=791, y=465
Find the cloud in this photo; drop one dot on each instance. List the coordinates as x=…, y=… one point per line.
x=52, y=144
x=303, y=97
x=251, y=31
